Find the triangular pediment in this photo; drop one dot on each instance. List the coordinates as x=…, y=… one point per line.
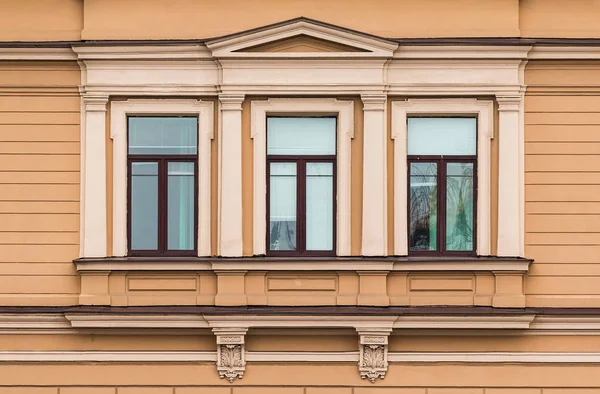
x=302, y=44
x=301, y=37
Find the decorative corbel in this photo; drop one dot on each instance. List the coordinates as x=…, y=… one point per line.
x=231, y=357
x=373, y=362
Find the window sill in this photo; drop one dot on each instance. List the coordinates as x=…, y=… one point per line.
x=392, y=263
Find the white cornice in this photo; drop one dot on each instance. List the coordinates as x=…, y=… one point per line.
x=564, y=53
x=461, y=52
x=499, y=264
x=142, y=52
x=37, y=54
x=527, y=324
x=299, y=357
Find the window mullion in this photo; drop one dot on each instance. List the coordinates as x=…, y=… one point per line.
x=162, y=206
x=301, y=205
x=442, y=206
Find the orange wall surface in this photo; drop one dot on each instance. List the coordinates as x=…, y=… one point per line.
x=562, y=183
x=64, y=20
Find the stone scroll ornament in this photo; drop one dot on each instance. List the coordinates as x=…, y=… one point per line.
x=373, y=357
x=231, y=359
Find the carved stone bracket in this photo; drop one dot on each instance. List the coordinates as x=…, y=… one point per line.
x=373, y=362
x=231, y=357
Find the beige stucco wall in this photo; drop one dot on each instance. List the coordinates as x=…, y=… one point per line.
x=562, y=147
x=39, y=183
x=289, y=378
x=64, y=20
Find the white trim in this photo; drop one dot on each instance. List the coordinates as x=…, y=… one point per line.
x=119, y=112
x=461, y=52
x=345, y=125
x=401, y=110
x=299, y=357
x=93, y=176
x=142, y=52
x=107, y=356
x=494, y=357
x=288, y=265
x=564, y=52
x=405, y=324
x=228, y=47
x=464, y=322
x=42, y=53
x=97, y=320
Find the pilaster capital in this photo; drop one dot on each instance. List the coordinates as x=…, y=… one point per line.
x=95, y=102
x=373, y=102
x=231, y=102
x=509, y=103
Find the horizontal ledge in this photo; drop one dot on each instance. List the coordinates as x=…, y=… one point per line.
x=295, y=357
x=303, y=264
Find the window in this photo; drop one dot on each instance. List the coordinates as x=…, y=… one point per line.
x=442, y=187
x=301, y=167
x=162, y=185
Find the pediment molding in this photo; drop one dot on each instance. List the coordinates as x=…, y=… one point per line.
x=345, y=42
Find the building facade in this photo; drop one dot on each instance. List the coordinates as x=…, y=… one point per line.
x=299, y=197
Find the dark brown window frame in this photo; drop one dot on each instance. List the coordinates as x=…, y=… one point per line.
x=163, y=190
x=441, y=162
x=300, y=161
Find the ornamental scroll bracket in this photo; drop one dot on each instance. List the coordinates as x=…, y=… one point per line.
x=231, y=353
x=373, y=361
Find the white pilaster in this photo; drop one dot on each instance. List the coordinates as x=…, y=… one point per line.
x=93, y=176
x=374, y=222
x=509, y=176
x=230, y=179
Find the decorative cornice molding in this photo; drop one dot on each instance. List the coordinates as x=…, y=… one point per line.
x=142, y=52
x=63, y=54
x=339, y=264
x=299, y=357
x=526, y=324
x=462, y=52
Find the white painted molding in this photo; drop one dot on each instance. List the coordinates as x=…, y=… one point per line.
x=230, y=239
x=465, y=322
x=511, y=177
x=301, y=357
x=401, y=110
x=529, y=324
x=228, y=47
x=409, y=265
x=344, y=110
x=97, y=320
x=93, y=175
x=141, y=52
x=566, y=52
x=119, y=112
x=462, y=52
x=494, y=357
x=64, y=54
x=374, y=207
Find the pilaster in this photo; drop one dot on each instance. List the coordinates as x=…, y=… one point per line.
x=509, y=177
x=373, y=288
x=231, y=290
x=374, y=210
x=94, y=288
x=93, y=176
x=230, y=176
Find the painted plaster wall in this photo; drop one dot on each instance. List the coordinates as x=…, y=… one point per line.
x=63, y=20
x=39, y=183
x=562, y=192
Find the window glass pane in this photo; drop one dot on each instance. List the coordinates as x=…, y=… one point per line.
x=301, y=136
x=423, y=206
x=282, y=209
x=459, y=206
x=163, y=135
x=180, y=201
x=442, y=136
x=319, y=206
x=144, y=206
